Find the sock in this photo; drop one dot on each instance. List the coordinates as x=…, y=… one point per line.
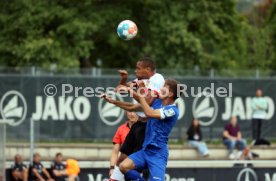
x=134, y=175
x=117, y=174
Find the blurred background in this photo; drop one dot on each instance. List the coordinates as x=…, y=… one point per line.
x=202, y=35
x=75, y=42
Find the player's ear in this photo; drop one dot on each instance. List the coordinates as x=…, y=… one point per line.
x=171, y=94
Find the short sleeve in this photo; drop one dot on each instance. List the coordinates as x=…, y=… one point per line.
x=117, y=137
x=167, y=112
x=156, y=82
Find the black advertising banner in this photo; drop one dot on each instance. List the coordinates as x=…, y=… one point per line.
x=197, y=174
x=68, y=108
x=190, y=174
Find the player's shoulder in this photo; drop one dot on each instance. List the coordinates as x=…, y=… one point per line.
x=157, y=76
x=157, y=103
x=170, y=110
x=123, y=127
x=170, y=106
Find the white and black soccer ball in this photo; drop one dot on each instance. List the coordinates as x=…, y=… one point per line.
x=127, y=30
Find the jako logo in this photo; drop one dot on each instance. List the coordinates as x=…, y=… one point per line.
x=181, y=106
x=109, y=113
x=205, y=109
x=268, y=178
x=13, y=107
x=247, y=174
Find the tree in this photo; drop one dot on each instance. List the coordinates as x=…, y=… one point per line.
x=71, y=33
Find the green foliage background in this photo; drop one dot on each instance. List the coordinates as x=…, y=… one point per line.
x=176, y=33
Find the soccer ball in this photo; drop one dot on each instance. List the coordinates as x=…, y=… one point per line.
x=127, y=30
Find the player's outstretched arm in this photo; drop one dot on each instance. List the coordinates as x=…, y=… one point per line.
x=124, y=105
x=124, y=76
x=149, y=112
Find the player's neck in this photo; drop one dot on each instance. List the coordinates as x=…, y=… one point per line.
x=167, y=101
x=151, y=74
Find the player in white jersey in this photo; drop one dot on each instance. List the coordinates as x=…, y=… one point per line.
x=146, y=77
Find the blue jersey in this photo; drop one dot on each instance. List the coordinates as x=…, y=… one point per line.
x=157, y=131
x=157, y=104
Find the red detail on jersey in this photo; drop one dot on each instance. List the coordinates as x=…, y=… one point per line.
x=120, y=135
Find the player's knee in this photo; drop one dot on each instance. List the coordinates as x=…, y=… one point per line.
x=121, y=159
x=123, y=167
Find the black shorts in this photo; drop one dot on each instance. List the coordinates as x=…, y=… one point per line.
x=135, y=138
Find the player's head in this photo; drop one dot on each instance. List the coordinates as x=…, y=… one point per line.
x=59, y=157
x=132, y=116
x=170, y=90
x=259, y=93
x=36, y=157
x=195, y=123
x=17, y=158
x=233, y=120
x=145, y=68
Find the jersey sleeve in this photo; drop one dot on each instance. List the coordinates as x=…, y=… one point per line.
x=117, y=137
x=168, y=112
x=156, y=83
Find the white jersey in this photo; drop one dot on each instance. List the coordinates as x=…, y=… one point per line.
x=154, y=83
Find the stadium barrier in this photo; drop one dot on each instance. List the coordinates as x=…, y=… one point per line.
x=102, y=151
x=191, y=171
x=76, y=117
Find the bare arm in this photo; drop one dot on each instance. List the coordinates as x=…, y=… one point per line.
x=149, y=95
x=149, y=112
x=115, y=154
x=35, y=172
x=124, y=105
x=124, y=76
x=46, y=173
x=227, y=135
x=239, y=135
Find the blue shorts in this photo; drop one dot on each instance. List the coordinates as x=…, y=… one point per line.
x=153, y=159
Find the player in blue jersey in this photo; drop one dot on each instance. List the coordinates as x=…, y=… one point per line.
x=154, y=154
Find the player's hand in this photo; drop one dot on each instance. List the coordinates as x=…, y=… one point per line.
x=121, y=89
x=111, y=172
x=123, y=74
x=132, y=93
x=141, y=83
x=108, y=99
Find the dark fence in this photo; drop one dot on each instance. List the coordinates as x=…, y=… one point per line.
x=81, y=115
